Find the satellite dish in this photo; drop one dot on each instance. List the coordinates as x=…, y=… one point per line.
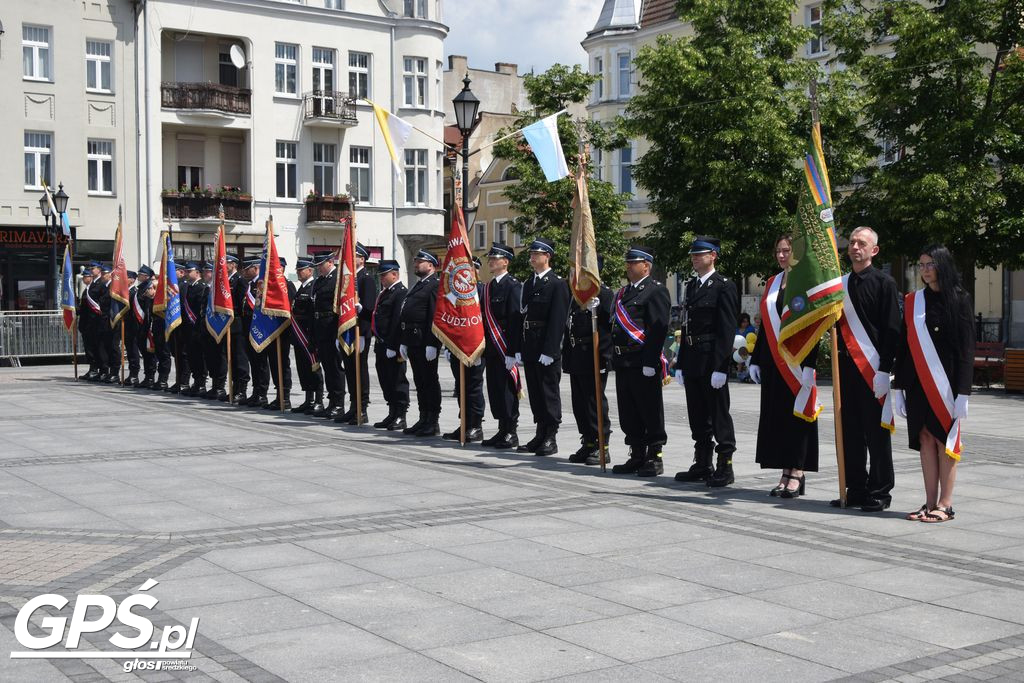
x=237, y=56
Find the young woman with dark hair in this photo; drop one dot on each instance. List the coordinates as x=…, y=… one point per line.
x=933, y=373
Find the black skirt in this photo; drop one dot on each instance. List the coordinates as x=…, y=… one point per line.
x=784, y=441
x=921, y=416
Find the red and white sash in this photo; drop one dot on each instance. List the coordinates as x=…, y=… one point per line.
x=91, y=303
x=863, y=352
x=140, y=314
x=634, y=331
x=930, y=372
x=498, y=336
x=806, y=405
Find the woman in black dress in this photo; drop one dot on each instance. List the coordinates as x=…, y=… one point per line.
x=948, y=316
x=784, y=439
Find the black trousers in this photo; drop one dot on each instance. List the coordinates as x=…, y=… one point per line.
x=501, y=392
x=708, y=412
x=215, y=357
x=863, y=434
x=325, y=330
x=101, y=344
x=349, y=362
x=179, y=349
x=424, y=376
x=545, y=398
x=147, y=357
x=393, y=381
x=86, y=347
x=270, y=354
x=112, y=340
x=641, y=407
x=584, y=396
x=196, y=357
x=239, y=357
x=309, y=379
x=131, y=343
x=474, y=392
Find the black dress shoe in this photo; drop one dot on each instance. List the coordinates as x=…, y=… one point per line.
x=398, y=424
x=222, y=396
x=275, y=404
x=87, y=377
x=452, y=435
x=144, y=384
x=173, y=389
x=474, y=434
x=872, y=505
x=413, y=428
x=531, y=445
x=355, y=421
x=209, y=393
x=547, y=447
x=258, y=401
x=346, y=416
x=240, y=399
x=334, y=412
x=385, y=423
x=316, y=409
x=491, y=440
x=112, y=379
x=132, y=381
x=505, y=441
x=159, y=386
x=429, y=428
x=851, y=502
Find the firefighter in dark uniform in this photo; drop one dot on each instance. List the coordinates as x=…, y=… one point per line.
x=157, y=357
x=116, y=353
x=131, y=331
x=705, y=349
x=281, y=384
x=500, y=306
x=325, y=333
x=86, y=323
x=105, y=333
x=259, y=372
x=474, y=386
x=640, y=317
x=179, y=336
x=311, y=380
x=544, y=308
x=366, y=297
x=196, y=299
x=420, y=347
x=578, y=363
x=215, y=354
x=239, y=332
x=385, y=327
x=139, y=356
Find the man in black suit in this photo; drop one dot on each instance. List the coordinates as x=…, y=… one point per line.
x=195, y=299
x=88, y=314
x=100, y=293
x=311, y=380
x=640, y=316
x=366, y=297
x=705, y=350
x=137, y=317
x=259, y=370
x=130, y=320
x=500, y=303
x=239, y=332
x=544, y=308
x=385, y=326
x=325, y=333
x=419, y=345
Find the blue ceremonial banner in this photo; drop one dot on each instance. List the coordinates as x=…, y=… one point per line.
x=167, y=302
x=68, y=301
x=547, y=147
x=265, y=328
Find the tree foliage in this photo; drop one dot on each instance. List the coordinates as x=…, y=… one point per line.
x=546, y=208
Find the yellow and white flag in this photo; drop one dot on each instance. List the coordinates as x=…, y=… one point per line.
x=396, y=132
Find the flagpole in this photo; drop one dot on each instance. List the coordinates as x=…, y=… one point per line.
x=358, y=398
x=74, y=343
x=462, y=403
x=837, y=415
x=280, y=376
x=231, y=386
x=122, y=351
x=595, y=341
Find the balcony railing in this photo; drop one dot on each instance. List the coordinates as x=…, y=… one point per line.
x=327, y=209
x=181, y=206
x=333, y=107
x=209, y=96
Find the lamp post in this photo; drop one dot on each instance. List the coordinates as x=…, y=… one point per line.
x=466, y=107
x=54, y=229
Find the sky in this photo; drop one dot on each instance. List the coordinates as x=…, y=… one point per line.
x=530, y=33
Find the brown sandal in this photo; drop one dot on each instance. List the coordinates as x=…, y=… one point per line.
x=945, y=514
x=919, y=515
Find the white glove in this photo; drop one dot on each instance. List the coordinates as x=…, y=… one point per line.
x=477, y=362
x=755, y=373
x=679, y=378
x=593, y=304
x=960, y=407
x=403, y=351
x=718, y=380
x=807, y=377
x=510, y=362
x=899, y=403
x=430, y=353
x=519, y=358
x=359, y=307
x=447, y=355
x=390, y=353
x=546, y=360
x=880, y=384
x=648, y=371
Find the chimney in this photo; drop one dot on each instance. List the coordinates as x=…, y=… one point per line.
x=506, y=68
x=459, y=64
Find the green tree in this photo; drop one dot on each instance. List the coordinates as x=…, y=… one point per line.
x=944, y=86
x=726, y=112
x=546, y=208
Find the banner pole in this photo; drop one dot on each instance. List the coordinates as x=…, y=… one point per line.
x=280, y=376
x=837, y=405
x=74, y=344
x=231, y=386
x=597, y=389
x=462, y=403
x=123, y=350
x=357, y=358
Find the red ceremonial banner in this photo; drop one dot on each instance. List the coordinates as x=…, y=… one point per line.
x=119, y=285
x=274, y=300
x=345, y=291
x=458, y=322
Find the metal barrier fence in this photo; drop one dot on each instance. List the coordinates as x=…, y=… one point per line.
x=33, y=333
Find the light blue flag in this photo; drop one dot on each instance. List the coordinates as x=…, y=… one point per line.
x=547, y=147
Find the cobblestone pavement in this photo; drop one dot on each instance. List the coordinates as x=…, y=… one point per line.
x=312, y=552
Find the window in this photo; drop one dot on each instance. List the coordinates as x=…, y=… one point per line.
x=597, y=164
x=624, y=74
x=359, y=74
x=501, y=231
x=481, y=235
x=190, y=177
x=100, y=159
x=817, y=45
x=323, y=168
x=334, y=4
x=891, y=153
x=415, y=78
x=323, y=70
x=519, y=240
x=416, y=176
x=227, y=71
x=286, y=170
x=359, y=173
x=599, y=84
x=38, y=160
x=626, y=169
x=35, y=50
x=416, y=9
x=97, y=65
x=286, y=66
x=438, y=92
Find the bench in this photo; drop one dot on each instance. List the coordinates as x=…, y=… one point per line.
x=990, y=358
x=1014, y=370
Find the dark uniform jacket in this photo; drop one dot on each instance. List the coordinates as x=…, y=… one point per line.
x=183, y=291
x=952, y=334
x=502, y=303
x=417, y=316
x=366, y=295
x=579, y=333
x=100, y=293
x=385, y=318
x=302, y=306
x=238, y=286
x=647, y=303
x=544, y=308
x=876, y=299
x=707, y=337
x=86, y=316
x=198, y=293
x=325, y=323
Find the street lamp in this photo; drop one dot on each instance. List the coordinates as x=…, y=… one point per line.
x=466, y=107
x=53, y=227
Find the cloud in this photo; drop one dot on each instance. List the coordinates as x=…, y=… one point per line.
x=531, y=33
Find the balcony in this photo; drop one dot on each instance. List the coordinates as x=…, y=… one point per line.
x=206, y=98
x=187, y=206
x=331, y=109
x=327, y=211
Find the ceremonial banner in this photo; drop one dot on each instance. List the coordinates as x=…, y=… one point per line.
x=273, y=312
x=814, y=288
x=67, y=290
x=167, y=302
x=220, y=309
x=547, y=147
x=395, y=132
x=585, y=277
x=119, y=285
x=345, y=292
x=457, y=319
